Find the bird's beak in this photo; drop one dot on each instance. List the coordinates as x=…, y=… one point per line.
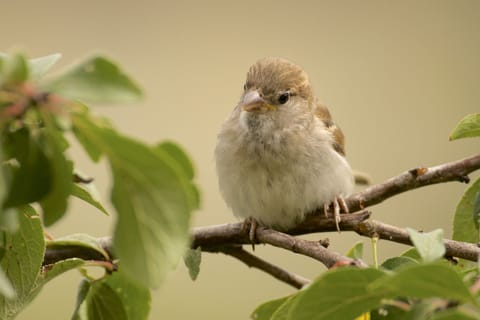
x=253, y=102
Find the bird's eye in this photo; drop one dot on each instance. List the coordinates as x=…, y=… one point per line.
x=283, y=98
x=245, y=87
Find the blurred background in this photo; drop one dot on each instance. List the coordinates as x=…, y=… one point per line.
x=397, y=76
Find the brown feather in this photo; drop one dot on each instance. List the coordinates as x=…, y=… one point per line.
x=338, y=138
x=271, y=75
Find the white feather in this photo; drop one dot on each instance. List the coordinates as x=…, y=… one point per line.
x=278, y=166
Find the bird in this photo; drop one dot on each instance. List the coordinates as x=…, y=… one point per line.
x=279, y=155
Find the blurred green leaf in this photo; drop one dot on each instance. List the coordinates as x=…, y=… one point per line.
x=91, y=146
x=476, y=209
x=136, y=299
x=180, y=157
x=338, y=294
x=31, y=181
x=387, y=312
x=79, y=241
x=40, y=66
x=395, y=263
x=429, y=245
x=419, y=310
x=465, y=228
x=192, y=260
x=424, y=281
x=152, y=230
x=82, y=192
x=283, y=311
x=112, y=297
x=55, y=204
x=14, y=69
x=453, y=315
x=266, y=310
x=469, y=126
x=153, y=197
x=97, y=300
x=412, y=253
x=51, y=271
x=81, y=295
x=22, y=261
x=356, y=251
x=97, y=80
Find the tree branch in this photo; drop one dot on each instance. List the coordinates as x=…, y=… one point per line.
x=253, y=261
x=459, y=249
x=412, y=179
x=227, y=238
x=232, y=233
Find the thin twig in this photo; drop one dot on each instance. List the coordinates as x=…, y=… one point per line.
x=459, y=249
x=308, y=248
x=412, y=179
x=253, y=261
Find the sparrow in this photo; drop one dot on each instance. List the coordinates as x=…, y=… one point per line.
x=279, y=155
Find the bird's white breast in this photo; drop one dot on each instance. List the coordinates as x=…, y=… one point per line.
x=277, y=176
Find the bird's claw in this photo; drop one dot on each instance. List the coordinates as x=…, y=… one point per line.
x=339, y=205
x=249, y=226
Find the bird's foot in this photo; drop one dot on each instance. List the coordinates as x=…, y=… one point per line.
x=249, y=226
x=339, y=205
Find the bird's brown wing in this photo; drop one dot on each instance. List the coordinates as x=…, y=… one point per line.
x=324, y=115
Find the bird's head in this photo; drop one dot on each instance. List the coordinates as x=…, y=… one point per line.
x=277, y=90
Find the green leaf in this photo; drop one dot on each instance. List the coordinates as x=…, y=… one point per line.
x=97, y=80
x=429, y=245
x=6, y=288
x=464, y=226
x=13, y=69
x=469, y=126
x=22, y=261
x=192, y=260
x=82, y=121
x=135, y=298
x=412, y=253
x=387, y=312
x=356, y=251
x=31, y=181
x=151, y=234
x=112, y=297
x=80, y=242
x=82, y=192
x=476, y=209
x=153, y=197
x=81, y=295
x=282, y=312
x=97, y=300
x=179, y=165
x=266, y=310
x=453, y=315
x=52, y=271
x=424, y=281
x=395, y=263
x=55, y=204
x=338, y=294
x=179, y=156
x=40, y=66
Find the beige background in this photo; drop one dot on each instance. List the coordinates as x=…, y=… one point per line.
x=397, y=76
